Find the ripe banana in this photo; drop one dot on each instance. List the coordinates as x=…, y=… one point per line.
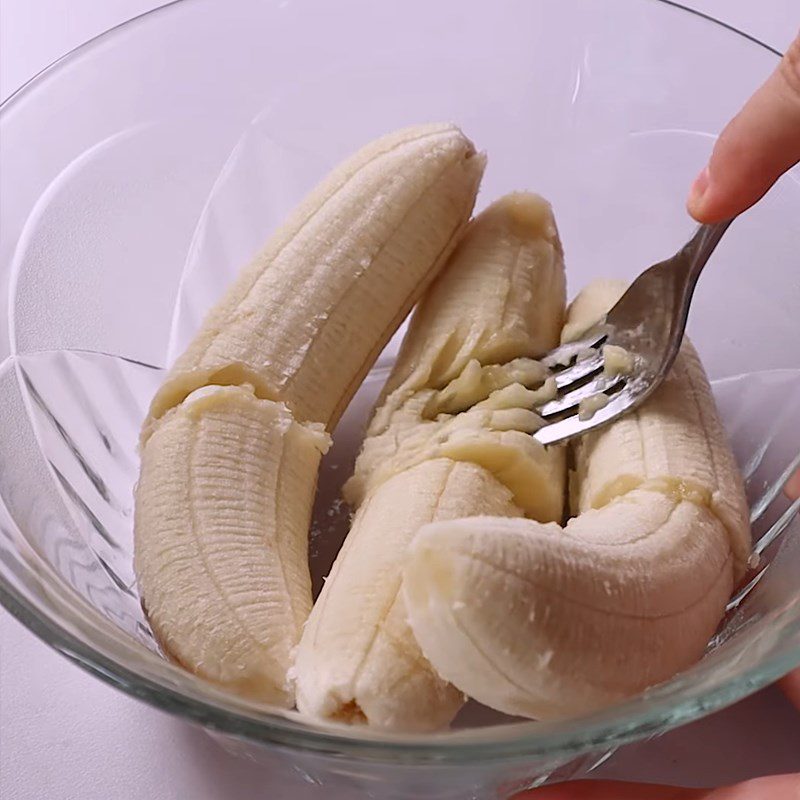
x=546, y=622
x=223, y=502
x=232, y=443
x=306, y=319
x=357, y=660
x=500, y=299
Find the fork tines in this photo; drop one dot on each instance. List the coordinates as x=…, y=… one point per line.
x=579, y=371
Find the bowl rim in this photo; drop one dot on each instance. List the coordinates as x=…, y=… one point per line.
x=604, y=730
x=31, y=83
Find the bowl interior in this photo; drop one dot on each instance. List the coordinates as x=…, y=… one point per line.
x=171, y=167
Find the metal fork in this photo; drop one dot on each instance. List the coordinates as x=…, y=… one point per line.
x=648, y=322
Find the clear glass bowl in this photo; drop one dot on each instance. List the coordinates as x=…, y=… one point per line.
x=141, y=170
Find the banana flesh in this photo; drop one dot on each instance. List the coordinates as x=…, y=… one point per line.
x=546, y=622
x=675, y=444
x=226, y=490
x=482, y=312
x=358, y=661
x=306, y=319
x=500, y=299
x=590, y=307
x=512, y=311
x=232, y=443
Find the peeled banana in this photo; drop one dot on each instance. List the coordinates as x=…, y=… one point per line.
x=500, y=300
x=222, y=508
x=232, y=443
x=546, y=621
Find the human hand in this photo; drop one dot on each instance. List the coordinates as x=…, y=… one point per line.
x=758, y=145
x=779, y=787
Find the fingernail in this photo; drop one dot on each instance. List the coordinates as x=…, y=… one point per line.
x=698, y=191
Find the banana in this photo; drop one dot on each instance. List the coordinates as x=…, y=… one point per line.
x=306, y=319
x=471, y=345
x=223, y=503
x=591, y=307
x=357, y=661
x=500, y=300
x=232, y=443
x=546, y=622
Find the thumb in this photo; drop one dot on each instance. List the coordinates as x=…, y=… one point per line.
x=792, y=488
x=755, y=149
x=778, y=787
x=791, y=687
x=610, y=790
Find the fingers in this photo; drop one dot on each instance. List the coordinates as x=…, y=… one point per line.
x=779, y=787
x=791, y=687
x=791, y=683
x=755, y=149
x=609, y=790
x=792, y=488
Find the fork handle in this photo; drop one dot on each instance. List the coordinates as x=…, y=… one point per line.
x=699, y=248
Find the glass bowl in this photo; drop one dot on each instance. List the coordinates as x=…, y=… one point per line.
x=140, y=171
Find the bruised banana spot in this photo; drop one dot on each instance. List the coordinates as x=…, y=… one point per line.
x=350, y=713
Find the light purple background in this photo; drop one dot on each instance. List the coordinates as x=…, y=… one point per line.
x=65, y=735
